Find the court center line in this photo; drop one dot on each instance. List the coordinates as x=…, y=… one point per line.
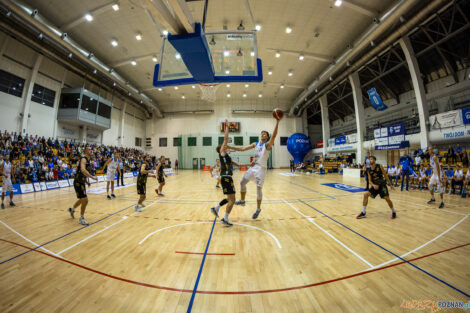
x=325, y=282
x=105, y=228
x=193, y=295
x=311, y=220
x=425, y=244
x=27, y=239
x=392, y=253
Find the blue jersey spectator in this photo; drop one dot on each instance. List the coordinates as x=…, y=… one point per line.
x=450, y=172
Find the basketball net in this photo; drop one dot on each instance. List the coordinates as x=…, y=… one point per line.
x=208, y=91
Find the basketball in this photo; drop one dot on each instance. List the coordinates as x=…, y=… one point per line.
x=278, y=114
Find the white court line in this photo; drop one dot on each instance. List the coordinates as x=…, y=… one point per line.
x=184, y=224
x=311, y=220
x=105, y=228
x=423, y=245
x=30, y=241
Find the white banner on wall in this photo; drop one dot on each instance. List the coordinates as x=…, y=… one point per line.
x=52, y=185
x=447, y=119
x=43, y=186
x=63, y=183
x=27, y=188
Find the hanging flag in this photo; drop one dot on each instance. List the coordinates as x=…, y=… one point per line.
x=376, y=101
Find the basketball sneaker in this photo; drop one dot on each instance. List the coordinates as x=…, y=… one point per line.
x=431, y=201
x=257, y=212
x=3, y=206
x=112, y=195
x=240, y=202
x=12, y=204
x=226, y=222
x=215, y=211
x=72, y=211
x=394, y=215
x=83, y=221
x=441, y=205
x=361, y=215
x=137, y=209
x=108, y=197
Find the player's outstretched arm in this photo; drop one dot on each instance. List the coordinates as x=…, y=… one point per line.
x=273, y=137
x=252, y=146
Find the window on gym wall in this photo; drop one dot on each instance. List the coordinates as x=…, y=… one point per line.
x=163, y=142
x=138, y=142
x=11, y=84
x=192, y=141
x=254, y=139
x=207, y=141
x=69, y=100
x=176, y=142
x=284, y=141
x=43, y=95
x=238, y=141
x=221, y=140
x=89, y=104
x=104, y=110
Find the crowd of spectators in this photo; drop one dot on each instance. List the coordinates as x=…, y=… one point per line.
x=39, y=159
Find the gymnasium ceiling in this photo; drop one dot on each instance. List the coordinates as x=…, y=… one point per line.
x=335, y=26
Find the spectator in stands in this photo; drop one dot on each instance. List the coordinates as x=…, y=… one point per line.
x=418, y=161
x=391, y=172
x=447, y=177
x=458, y=152
x=450, y=155
x=406, y=162
x=397, y=174
x=464, y=158
x=457, y=179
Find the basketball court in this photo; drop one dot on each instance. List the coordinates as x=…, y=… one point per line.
x=306, y=252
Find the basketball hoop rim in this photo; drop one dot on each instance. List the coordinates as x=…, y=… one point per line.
x=209, y=85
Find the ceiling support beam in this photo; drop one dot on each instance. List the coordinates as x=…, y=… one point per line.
x=360, y=8
x=159, y=12
x=315, y=56
x=105, y=7
x=183, y=14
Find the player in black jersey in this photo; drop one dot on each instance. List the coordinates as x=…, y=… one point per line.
x=378, y=180
x=226, y=173
x=160, y=176
x=79, y=182
x=145, y=170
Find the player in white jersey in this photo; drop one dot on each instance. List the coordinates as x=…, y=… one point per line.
x=215, y=172
x=6, y=170
x=436, y=178
x=259, y=166
x=112, y=165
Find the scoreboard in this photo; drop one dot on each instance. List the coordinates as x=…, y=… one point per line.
x=233, y=127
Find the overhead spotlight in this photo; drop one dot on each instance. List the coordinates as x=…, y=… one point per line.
x=91, y=55
x=114, y=43
x=316, y=90
x=183, y=97
x=252, y=53
x=258, y=27
x=141, y=101
x=239, y=53
x=227, y=72
x=111, y=71
x=138, y=36
x=228, y=95
x=290, y=73
x=165, y=32
x=176, y=87
x=260, y=95
x=282, y=86
x=246, y=85
x=270, y=73
x=114, y=84
x=160, y=89
x=228, y=85
x=95, y=71
x=241, y=27
x=154, y=59
x=301, y=57
x=134, y=63
x=212, y=42
x=288, y=30
x=70, y=55
x=278, y=54
x=348, y=63
x=8, y=14
x=376, y=20
x=34, y=13
x=402, y=19
x=129, y=94
x=372, y=43
x=331, y=78
x=178, y=56
x=244, y=95
x=316, y=34
x=63, y=36
x=88, y=17
x=226, y=53
x=40, y=36
x=193, y=86
x=115, y=7
x=338, y=3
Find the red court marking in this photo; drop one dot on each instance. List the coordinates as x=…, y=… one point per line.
x=233, y=292
x=201, y=253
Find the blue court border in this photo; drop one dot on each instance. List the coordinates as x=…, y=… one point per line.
x=385, y=249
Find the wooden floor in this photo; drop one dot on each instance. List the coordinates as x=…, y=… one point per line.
x=306, y=253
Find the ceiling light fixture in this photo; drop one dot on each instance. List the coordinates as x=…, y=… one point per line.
x=228, y=95
x=154, y=59
x=282, y=86
x=138, y=36
x=178, y=56
x=244, y=95
x=165, y=32
x=228, y=85
x=226, y=53
x=176, y=87
x=116, y=7
x=160, y=89
x=193, y=86
x=252, y=53
x=134, y=63
x=246, y=85
x=241, y=27
x=239, y=53
x=114, y=43
x=95, y=71
x=290, y=73
x=260, y=95
x=88, y=17
x=227, y=72
x=301, y=57
x=183, y=97
x=278, y=54
x=288, y=30
x=212, y=42
x=270, y=73
x=338, y=3
x=258, y=27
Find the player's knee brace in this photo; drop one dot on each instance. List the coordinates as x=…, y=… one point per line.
x=259, y=192
x=243, y=184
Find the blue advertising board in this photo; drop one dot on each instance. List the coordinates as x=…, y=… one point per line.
x=340, y=140
x=389, y=138
x=466, y=115
x=375, y=100
x=345, y=187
